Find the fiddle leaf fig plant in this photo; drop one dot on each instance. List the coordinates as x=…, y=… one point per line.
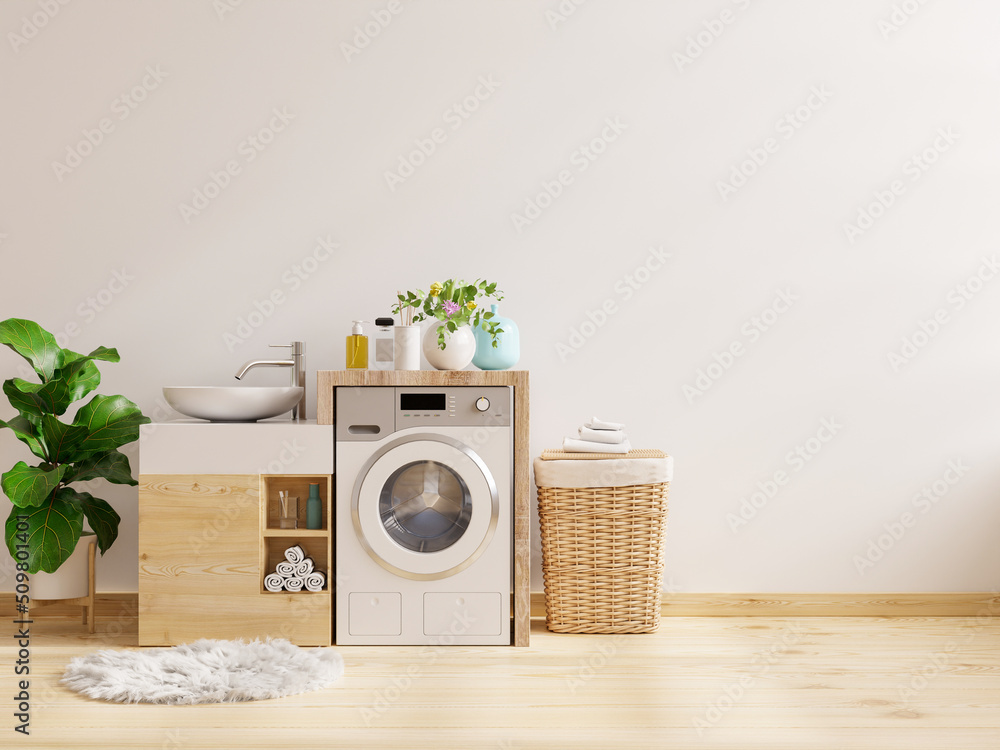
x=47, y=517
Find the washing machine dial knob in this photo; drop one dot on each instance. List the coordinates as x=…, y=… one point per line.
x=483, y=403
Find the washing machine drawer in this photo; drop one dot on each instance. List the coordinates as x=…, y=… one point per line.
x=375, y=614
x=462, y=613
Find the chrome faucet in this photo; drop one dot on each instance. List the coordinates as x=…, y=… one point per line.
x=297, y=362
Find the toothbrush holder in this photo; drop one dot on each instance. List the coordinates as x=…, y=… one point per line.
x=406, y=347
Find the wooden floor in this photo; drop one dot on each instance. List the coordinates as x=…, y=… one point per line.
x=755, y=682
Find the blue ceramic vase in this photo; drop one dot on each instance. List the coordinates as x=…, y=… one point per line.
x=508, y=349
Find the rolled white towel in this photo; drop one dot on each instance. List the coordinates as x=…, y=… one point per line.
x=295, y=555
x=274, y=582
x=572, y=445
x=602, y=436
x=597, y=424
x=304, y=568
x=315, y=581
x=294, y=584
x=285, y=569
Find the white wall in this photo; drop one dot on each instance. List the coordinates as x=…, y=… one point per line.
x=886, y=95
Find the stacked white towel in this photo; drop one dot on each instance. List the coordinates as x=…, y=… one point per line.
x=304, y=568
x=294, y=573
x=602, y=436
x=315, y=581
x=600, y=424
x=598, y=436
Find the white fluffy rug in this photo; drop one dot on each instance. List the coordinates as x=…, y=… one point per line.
x=205, y=671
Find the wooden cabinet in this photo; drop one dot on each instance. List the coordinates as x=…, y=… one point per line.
x=202, y=559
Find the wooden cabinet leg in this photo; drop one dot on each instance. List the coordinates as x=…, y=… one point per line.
x=88, y=610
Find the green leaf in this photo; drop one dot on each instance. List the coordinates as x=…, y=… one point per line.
x=29, y=486
x=32, y=400
x=488, y=315
x=100, y=515
x=110, y=422
x=452, y=327
x=60, y=440
x=113, y=466
x=34, y=343
x=107, y=354
x=79, y=378
x=80, y=375
x=52, y=531
x=27, y=433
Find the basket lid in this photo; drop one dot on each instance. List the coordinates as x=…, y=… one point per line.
x=560, y=455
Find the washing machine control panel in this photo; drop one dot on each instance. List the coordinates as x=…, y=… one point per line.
x=429, y=406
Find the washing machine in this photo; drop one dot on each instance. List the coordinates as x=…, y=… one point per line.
x=424, y=511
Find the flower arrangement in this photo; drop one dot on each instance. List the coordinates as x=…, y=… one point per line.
x=454, y=304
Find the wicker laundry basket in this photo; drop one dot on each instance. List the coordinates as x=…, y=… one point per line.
x=602, y=549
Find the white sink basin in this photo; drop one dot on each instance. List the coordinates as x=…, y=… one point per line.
x=232, y=403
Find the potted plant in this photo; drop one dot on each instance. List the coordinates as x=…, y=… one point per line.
x=451, y=345
x=46, y=520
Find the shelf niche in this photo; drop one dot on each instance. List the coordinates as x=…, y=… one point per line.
x=316, y=543
x=297, y=485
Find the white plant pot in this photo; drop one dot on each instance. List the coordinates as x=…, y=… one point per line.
x=459, y=348
x=70, y=581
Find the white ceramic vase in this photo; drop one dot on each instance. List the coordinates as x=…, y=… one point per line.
x=459, y=348
x=71, y=580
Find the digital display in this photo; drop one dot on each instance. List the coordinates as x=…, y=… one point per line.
x=422, y=402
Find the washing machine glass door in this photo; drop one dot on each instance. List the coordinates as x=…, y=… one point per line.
x=425, y=506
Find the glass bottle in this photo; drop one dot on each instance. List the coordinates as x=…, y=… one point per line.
x=383, y=343
x=314, y=508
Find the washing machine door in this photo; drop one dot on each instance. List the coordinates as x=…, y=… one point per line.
x=425, y=506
